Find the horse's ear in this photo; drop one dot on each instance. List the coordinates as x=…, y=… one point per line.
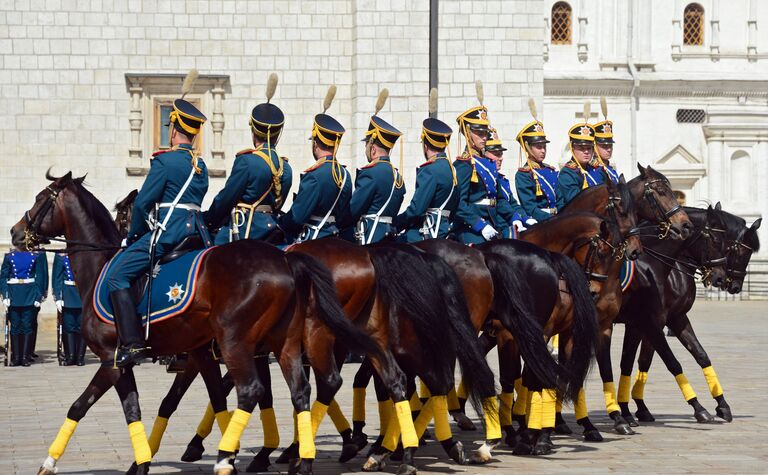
x=66, y=178
x=756, y=224
x=622, y=180
x=718, y=206
x=641, y=169
x=133, y=193
x=80, y=180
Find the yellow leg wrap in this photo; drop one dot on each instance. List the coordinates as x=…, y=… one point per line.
x=461, y=393
x=555, y=341
x=230, y=441
x=404, y=419
x=505, y=409
x=318, y=413
x=624, y=385
x=424, y=392
x=158, y=429
x=56, y=450
x=415, y=402
x=141, y=451
x=269, y=425
x=205, y=426
x=580, y=407
x=491, y=416
x=337, y=417
x=534, y=411
x=222, y=420
x=385, y=415
x=295, y=427
x=358, y=404
x=306, y=440
x=453, y=400
x=639, y=387
x=392, y=434
x=714, y=384
x=609, y=393
x=521, y=403
x=442, y=427
x=549, y=402
x=422, y=421
x=559, y=405
x=685, y=387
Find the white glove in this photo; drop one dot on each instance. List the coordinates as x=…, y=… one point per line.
x=7, y=302
x=37, y=304
x=60, y=305
x=488, y=232
x=517, y=224
x=124, y=243
x=530, y=221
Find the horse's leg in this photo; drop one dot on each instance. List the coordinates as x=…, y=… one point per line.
x=656, y=336
x=603, y=356
x=644, y=361
x=534, y=416
x=362, y=380
x=260, y=462
x=510, y=369
x=129, y=399
x=292, y=451
x=385, y=408
x=632, y=337
x=195, y=448
x=561, y=427
x=681, y=325
x=101, y=382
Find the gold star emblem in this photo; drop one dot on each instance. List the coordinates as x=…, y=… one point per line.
x=607, y=129
x=584, y=130
x=483, y=115
x=538, y=128
x=175, y=292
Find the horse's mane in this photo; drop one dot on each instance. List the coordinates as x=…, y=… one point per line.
x=581, y=193
x=97, y=211
x=626, y=198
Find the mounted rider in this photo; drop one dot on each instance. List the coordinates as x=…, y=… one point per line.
x=577, y=174
x=166, y=212
x=379, y=187
x=536, y=181
x=325, y=188
x=258, y=183
x=604, y=148
x=436, y=195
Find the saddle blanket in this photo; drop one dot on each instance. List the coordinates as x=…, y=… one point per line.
x=627, y=274
x=173, y=289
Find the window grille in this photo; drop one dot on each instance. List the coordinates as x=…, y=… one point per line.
x=691, y=116
x=693, y=25
x=561, y=24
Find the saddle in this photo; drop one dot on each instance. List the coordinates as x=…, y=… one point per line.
x=188, y=244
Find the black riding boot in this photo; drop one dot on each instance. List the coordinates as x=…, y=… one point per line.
x=132, y=348
x=17, y=350
x=81, y=347
x=69, y=343
x=26, y=346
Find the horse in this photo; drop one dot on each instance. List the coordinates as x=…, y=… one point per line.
x=680, y=294
x=272, y=291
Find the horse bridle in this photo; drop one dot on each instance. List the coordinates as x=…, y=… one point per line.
x=705, y=266
x=733, y=246
x=32, y=237
x=665, y=224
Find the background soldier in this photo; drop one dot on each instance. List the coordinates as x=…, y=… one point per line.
x=68, y=303
x=604, y=147
x=23, y=285
x=536, y=182
x=576, y=174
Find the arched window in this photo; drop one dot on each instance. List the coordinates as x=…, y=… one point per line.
x=693, y=25
x=741, y=177
x=561, y=24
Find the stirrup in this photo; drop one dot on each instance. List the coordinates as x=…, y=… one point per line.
x=126, y=356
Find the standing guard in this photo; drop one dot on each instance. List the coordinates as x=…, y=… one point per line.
x=68, y=303
x=258, y=182
x=436, y=196
x=23, y=285
x=379, y=187
x=166, y=212
x=577, y=175
x=604, y=148
x=476, y=218
x=536, y=181
x=326, y=187
x=511, y=214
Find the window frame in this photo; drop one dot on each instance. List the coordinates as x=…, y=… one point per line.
x=568, y=11
x=158, y=102
x=699, y=10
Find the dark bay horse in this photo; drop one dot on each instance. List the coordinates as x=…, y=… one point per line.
x=680, y=294
x=270, y=288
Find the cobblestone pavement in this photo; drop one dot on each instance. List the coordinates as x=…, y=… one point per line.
x=35, y=400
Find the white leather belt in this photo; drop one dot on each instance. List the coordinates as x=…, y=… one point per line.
x=486, y=202
x=549, y=210
x=445, y=213
x=69, y=282
x=382, y=219
x=330, y=220
x=187, y=206
x=21, y=281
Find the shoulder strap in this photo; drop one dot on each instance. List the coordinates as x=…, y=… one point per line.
x=333, y=206
x=277, y=173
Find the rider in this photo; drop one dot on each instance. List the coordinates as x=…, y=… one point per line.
x=436, y=195
x=536, y=182
x=324, y=189
x=379, y=188
x=257, y=185
x=170, y=200
x=604, y=149
x=576, y=175
x=68, y=303
x=508, y=209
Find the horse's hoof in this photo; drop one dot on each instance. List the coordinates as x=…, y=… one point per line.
x=348, y=452
x=544, y=440
x=375, y=462
x=258, y=464
x=224, y=468
x=644, y=415
x=405, y=469
x=194, y=452
x=142, y=469
x=397, y=455
x=592, y=435
x=622, y=428
x=522, y=448
x=542, y=449
x=703, y=416
x=360, y=439
x=563, y=429
x=291, y=452
x=511, y=439
x=456, y=452
x=724, y=413
x=483, y=454
x=375, y=446
x=462, y=421
x=132, y=470
x=630, y=419
x=45, y=471
x=300, y=467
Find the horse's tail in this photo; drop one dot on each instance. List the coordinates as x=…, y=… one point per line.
x=477, y=376
x=317, y=282
x=514, y=309
x=584, y=325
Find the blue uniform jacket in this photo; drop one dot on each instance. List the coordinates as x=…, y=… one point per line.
x=250, y=182
x=597, y=174
x=167, y=175
x=570, y=182
x=24, y=278
x=434, y=185
x=526, y=190
x=316, y=196
x=508, y=208
x=375, y=187
x=63, y=282
x=477, y=179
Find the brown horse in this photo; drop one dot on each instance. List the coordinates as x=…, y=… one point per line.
x=271, y=290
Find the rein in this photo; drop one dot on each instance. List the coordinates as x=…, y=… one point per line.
x=705, y=265
x=664, y=222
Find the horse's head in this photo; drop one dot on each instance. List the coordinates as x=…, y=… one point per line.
x=742, y=242
x=123, y=211
x=656, y=202
x=46, y=218
x=620, y=212
x=598, y=252
x=708, y=247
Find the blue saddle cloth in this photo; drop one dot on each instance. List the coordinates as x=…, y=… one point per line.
x=627, y=274
x=172, y=289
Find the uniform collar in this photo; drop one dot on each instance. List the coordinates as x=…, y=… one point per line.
x=186, y=146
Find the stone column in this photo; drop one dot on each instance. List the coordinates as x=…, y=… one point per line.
x=583, y=47
x=714, y=44
x=715, y=166
x=677, y=31
x=752, y=31
x=136, y=119
x=217, y=122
